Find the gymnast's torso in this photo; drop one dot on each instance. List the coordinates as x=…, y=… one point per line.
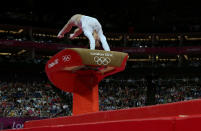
x=83, y=20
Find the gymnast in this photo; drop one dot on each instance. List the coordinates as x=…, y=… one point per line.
x=91, y=28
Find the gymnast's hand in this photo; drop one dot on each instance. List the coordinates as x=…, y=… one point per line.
x=60, y=36
x=71, y=36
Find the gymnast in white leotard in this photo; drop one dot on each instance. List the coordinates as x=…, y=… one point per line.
x=91, y=28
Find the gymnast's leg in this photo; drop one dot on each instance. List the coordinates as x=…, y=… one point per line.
x=103, y=40
x=89, y=35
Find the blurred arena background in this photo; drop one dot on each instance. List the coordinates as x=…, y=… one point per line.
x=162, y=37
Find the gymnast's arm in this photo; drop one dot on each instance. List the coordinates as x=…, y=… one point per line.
x=65, y=29
x=77, y=32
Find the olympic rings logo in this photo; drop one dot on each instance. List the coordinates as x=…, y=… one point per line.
x=102, y=60
x=66, y=58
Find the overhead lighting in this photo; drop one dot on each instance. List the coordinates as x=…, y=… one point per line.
x=3, y=31
x=20, y=52
x=178, y=56
x=186, y=57
x=139, y=60
x=157, y=57
x=147, y=60
x=5, y=53
x=20, y=30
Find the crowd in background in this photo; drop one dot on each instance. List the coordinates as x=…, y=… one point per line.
x=124, y=90
x=30, y=99
x=20, y=99
x=127, y=93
